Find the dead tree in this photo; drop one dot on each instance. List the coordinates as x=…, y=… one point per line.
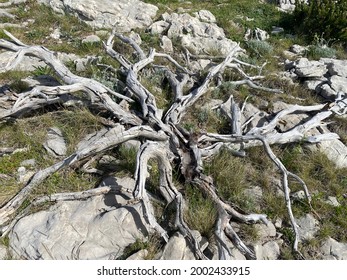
x=162, y=136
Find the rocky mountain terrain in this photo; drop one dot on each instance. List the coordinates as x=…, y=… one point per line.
x=157, y=130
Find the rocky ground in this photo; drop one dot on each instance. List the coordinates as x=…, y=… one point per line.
x=112, y=225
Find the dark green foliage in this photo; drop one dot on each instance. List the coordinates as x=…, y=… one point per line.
x=325, y=18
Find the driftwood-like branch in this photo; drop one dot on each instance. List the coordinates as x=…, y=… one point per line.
x=163, y=138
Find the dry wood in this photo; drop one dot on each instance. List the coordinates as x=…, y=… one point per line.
x=163, y=138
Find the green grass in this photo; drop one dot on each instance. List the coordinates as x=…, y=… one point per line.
x=29, y=134
x=201, y=213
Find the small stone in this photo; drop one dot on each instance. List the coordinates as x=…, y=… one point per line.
x=261, y=35
x=177, y=249
x=332, y=200
x=166, y=44
x=254, y=193
x=297, y=49
x=278, y=223
x=271, y=251
x=159, y=27
x=28, y=162
x=265, y=231
x=140, y=255
x=299, y=195
x=289, y=55
x=55, y=142
x=24, y=175
x=206, y=16
x=91, y=39
x=56, y=34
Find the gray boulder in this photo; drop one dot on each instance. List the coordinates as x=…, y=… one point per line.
x=97, y=228
x=123, y=14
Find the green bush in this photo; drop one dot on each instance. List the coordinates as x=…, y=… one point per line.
x=325, y=18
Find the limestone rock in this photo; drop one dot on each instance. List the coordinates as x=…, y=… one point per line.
x=177, y=249
x=3, y=252
x=261, y=35
x=28, y=162
x=332, y=200
x=193, y=34
x=314, y=84
x=97, y=228
x=286, y=5
x=125, y=14
x=91, y=39
x=297, y=49
x=268, y=251
x=308, y=227
x=337, y=67
x=310, y=69
x=265, y=231
x=27, y=63
x=332, y=249
x=140, y=255
x=166, y=44
x=338, y=83
x=56, y=34
x=55, y=142
x=335, y=150
x=271, y=250
x=24, y=175
x=207, y=16
x=327, y=92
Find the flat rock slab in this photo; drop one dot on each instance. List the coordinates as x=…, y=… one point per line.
x=308, y=227
x=310, y=69
x=27, y=63
x=55, y=143
x=97, y=228
x=332, y=249
x=123, y=14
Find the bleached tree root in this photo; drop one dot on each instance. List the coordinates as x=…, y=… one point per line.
x=162, y=136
